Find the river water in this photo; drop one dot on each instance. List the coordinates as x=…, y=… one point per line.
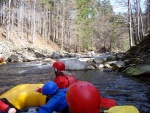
x=125, y=90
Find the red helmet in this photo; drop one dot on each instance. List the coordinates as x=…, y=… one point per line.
x=83, y=97
x=60, y=66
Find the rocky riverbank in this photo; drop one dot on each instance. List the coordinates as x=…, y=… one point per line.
x=134, y=62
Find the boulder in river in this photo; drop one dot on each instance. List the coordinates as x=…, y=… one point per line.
x=138, y=70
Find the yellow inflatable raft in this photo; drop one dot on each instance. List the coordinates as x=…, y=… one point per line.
x=2, y=63
x=24, y=95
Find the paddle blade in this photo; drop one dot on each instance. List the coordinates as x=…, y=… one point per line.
x=107, y=103
x=122, y=109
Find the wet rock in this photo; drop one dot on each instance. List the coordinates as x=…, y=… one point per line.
x=14, y=58
x=55, y=55
x=120, y=55
x=99, y=59
x=39, y=55
x=117, y=65
x=91, y=53
x=132, y=61
x=137, y=70
x=107, y=66
x=74, y=64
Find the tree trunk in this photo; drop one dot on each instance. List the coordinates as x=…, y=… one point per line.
x=130, y=23
x=8, y=21
x=34, y=27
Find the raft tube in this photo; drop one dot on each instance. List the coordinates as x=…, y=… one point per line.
x=2, y=63
x=24, y=95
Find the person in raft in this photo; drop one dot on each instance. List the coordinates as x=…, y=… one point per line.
x=7, y=107
x=57, y=101
x=62, y=80
x=83, y=97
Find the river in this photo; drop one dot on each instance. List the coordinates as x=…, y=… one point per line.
x=125, y=90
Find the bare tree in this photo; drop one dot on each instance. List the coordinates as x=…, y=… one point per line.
x=147, y=24
x=130, y=23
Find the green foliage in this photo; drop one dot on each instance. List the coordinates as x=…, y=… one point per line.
x=86, y=42
x=86, y=15
x=106, y=6
x=48, y=3
x=86, y=11
x=126, y=45
x=116, y=36
x=115, y=32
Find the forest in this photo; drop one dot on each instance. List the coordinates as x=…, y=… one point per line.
x=77, y=24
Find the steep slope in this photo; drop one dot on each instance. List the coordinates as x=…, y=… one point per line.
x=142, y=50
x=15, y=42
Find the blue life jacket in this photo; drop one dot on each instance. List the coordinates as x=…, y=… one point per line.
x=56, y=103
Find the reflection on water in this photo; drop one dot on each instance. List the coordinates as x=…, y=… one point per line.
x=125, y=90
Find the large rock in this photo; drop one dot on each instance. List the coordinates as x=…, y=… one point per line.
x=14, y=58
x=55, y=56
x=138, y=70
x=75, y=64
x=99, y=59
x=117, y=65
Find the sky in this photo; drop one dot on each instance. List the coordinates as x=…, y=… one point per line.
x=118, y=7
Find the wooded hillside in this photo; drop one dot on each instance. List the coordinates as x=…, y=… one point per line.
x=75, y=25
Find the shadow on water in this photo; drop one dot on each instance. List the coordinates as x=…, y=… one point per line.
x=125, y=90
